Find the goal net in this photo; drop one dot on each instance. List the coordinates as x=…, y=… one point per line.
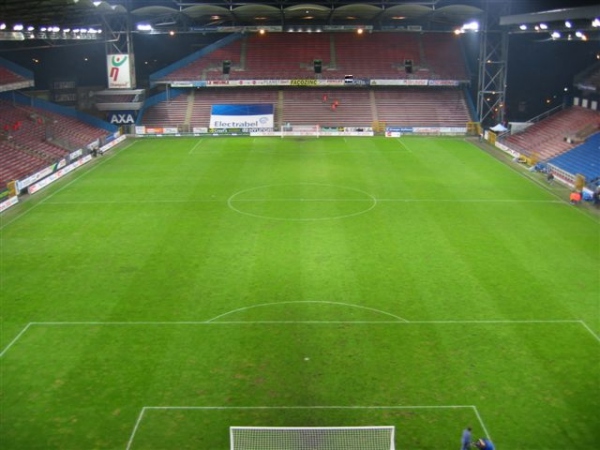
x=312, y=438
x=300, y=130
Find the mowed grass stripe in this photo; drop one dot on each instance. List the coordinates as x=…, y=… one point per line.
x=76, y=374
x=148, y=236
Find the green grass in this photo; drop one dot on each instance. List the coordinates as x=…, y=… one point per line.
x=176, y=287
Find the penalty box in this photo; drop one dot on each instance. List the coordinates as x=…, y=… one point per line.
x=210, y=427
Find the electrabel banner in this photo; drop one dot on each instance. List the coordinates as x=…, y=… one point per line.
x=119, y=71
x=241, y=116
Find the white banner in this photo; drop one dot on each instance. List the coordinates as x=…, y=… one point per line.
x=241, y=116
x=119, y=71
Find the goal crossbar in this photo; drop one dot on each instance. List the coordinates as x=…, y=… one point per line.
x=312, y=438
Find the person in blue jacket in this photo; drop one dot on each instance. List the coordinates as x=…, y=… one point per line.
x=465, y=440
x=484, y=444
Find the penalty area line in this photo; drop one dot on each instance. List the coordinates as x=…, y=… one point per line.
x=315, y=407
x=17, y=337
x=215, y=322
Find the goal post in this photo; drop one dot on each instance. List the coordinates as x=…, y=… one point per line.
x=312, y=438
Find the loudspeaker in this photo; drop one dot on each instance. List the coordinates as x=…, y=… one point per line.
x=408, y=65
x=317, y=65
x=226, y=67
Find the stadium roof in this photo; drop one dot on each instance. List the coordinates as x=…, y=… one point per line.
x=194, y=13
x=203, y=15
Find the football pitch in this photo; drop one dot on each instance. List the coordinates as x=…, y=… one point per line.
x=176, y=287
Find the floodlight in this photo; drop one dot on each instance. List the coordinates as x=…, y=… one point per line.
x=555, y=35
x=471, y=26
x=596, y=23
x=543, y=26
x=18, y=27
x=2, y=26
x=523, y=27
x=568, y=24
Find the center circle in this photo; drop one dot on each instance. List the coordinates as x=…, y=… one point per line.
x=302, y=202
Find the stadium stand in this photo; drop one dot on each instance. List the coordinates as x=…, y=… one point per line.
x=269, y=56
x=7, y=76
x=442, y=54
x=550, y=137
x=33, y=138
x=373, y=55
x=13, y=76
x=209, y=66
x=377, y=55
x=422, y=107
x=202, y=100
x=583, y=159
x=17, y=163
x=357, y=107
x=306, y=106
x=169, y=113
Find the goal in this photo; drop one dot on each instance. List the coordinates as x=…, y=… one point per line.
x=300, y=130
x=312, y=438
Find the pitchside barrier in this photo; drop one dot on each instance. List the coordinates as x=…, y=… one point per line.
x=298, y=130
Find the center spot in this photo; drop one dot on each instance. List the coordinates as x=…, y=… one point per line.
x=301, y=202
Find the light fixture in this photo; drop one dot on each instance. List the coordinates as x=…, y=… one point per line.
x=522, y=27
x=568, y=24
x=471, y=26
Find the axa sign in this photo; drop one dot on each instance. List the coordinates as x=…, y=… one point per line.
x=121, y=118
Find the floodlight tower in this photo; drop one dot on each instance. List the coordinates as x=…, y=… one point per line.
x=493, y=60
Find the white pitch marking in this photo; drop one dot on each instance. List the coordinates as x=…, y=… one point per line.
x=137, y=424
x=400, y=321
x=195, y=146
x=11, y=343
x=309, y=301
